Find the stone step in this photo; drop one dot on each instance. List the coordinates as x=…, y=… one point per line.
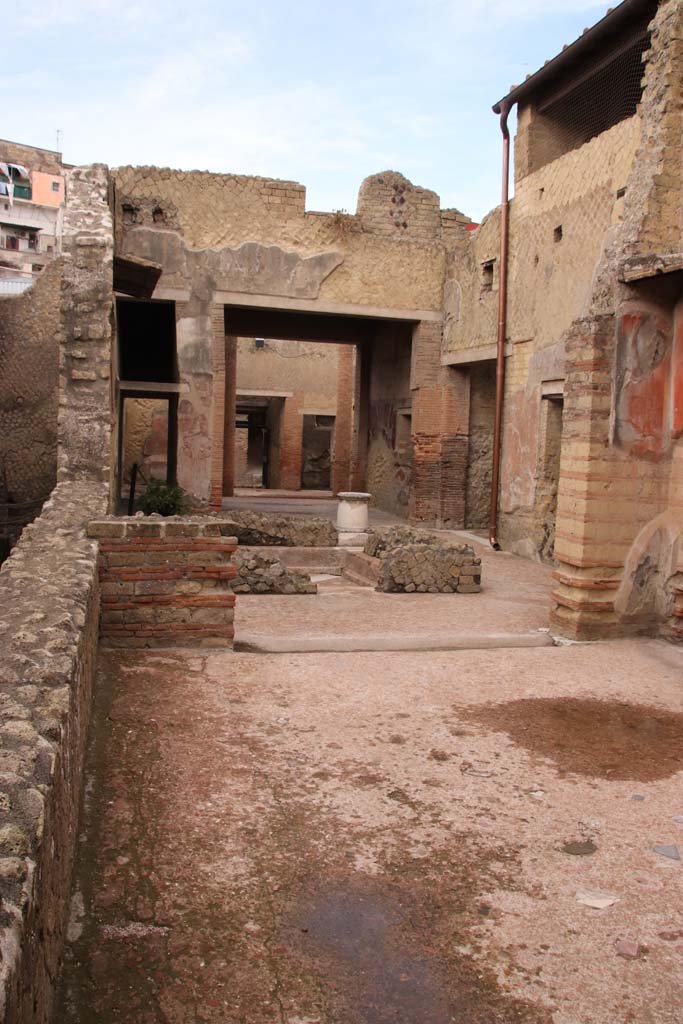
x=361, y=568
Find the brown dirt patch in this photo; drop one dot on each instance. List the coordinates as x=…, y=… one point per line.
x=387, y=949
x=608, y=740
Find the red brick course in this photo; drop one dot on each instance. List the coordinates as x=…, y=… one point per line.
x=164, y=583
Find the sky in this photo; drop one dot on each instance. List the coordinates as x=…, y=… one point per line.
x=320, y=93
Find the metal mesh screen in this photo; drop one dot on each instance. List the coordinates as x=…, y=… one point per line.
x=608, y=96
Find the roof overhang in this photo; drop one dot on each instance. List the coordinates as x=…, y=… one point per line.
x=135, y=276
x=627, y=17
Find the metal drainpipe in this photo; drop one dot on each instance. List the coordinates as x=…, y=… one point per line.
x=502, y=330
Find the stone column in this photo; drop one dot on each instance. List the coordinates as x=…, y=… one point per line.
x=218, y=407
x=84, y=425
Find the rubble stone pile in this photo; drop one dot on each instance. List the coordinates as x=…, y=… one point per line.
x=416, y=561
x=265, y=574
x=262, y=528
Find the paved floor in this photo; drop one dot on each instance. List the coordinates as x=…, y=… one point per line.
x=511, y=611
x=382, y=837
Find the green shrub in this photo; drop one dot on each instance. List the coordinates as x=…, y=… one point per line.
x=163, y=498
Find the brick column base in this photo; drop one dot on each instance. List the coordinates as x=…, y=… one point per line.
x=164, y=584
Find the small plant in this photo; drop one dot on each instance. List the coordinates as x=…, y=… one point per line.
x=162, y=498
x=344, y=223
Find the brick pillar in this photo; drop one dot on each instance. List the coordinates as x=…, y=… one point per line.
x=359, y=462
x=344, y=422
x=440, y=433
x=230, y=415
x=291, y=442
x=218, y=406
x=590, y=550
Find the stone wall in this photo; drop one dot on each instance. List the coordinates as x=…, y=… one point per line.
x=87, y=311
x=30, y=331
x=165, y=582
x=260, y=573
x=272, y=529
x=48, y=636
x=417, y=562
x=48, y=624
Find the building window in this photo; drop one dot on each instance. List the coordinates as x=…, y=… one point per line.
x=404, y=426
x=259, y=343
x=487, y=269
x=55, y=186
x=324, y=422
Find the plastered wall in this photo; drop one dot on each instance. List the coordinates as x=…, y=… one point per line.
x=396, y=268
x=560, y=219
x=284, y=366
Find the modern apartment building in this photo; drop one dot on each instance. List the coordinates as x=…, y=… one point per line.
x=31, y=210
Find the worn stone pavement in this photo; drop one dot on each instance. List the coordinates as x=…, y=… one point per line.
x=381, y=837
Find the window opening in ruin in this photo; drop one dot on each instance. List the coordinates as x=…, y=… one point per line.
x=549, y=472
x=404, y=429
x=557, y=233
x=147, y=341
x=487, y=269
x=130, y=213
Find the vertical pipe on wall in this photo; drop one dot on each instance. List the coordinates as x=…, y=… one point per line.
x=502, y=329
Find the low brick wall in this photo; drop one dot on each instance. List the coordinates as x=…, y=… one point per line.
x=165, y=582
x=49, y=607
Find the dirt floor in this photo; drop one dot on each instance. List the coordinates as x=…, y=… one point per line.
x=382, y=837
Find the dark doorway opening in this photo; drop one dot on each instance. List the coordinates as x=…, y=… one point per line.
x=148, y=389
x=549, y=471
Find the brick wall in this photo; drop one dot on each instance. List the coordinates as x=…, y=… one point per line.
x=164, y=583
x=440, y=433
x=344, y=423
x=291, y=442
x=389, y=204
